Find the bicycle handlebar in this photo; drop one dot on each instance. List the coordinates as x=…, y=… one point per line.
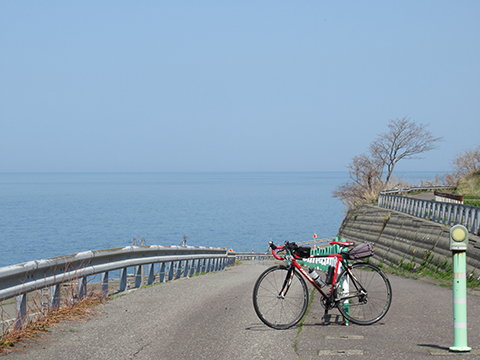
x=276, y=248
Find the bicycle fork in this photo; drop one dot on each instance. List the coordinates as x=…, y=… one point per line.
x=286, y=284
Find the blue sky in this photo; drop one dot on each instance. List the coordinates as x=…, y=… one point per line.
x=111, y=86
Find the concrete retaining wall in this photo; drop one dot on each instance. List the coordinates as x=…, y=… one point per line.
x=396, y=234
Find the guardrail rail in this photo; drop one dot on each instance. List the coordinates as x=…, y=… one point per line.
x=17, y=281
x=414, y=188
x=440, y=212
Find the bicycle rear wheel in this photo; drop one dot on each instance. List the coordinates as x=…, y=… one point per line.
x=368, y=306
x=280, y=297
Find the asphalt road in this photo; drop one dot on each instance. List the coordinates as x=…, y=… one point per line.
x=419, y=325
x=212, y=317
x=203, y=317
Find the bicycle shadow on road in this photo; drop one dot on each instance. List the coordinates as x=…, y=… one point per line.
x=263, y=327
x=334, y=320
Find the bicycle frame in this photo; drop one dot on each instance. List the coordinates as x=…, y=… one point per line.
x=291, y=259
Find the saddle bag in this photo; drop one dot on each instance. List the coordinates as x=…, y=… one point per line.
x=302, y=251
x=361, y=251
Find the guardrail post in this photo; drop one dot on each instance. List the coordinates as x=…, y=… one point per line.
x=455, y=213
x=469, y=219
x=123, y=279
x=460, y=216
x=179, y=270
x=186, y=268
x=20, y=310
x=199, y=262
x=54, y=297
x=161, y=273
x=82, y=287
x=138, y=276
x=104, y=284
x=151, y=274
x=478, y=222
x=449, y=214
x=192, y=267
x=170, y=270
x=428, y=211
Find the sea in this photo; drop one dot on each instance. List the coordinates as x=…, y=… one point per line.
x=45, y=215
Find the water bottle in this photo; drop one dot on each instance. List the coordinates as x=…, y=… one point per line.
x=314, y=275
x=330, y=274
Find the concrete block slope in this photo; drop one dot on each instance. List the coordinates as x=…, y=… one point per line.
x=401, y=237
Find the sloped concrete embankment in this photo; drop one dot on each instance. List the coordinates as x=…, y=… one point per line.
x=398, y=236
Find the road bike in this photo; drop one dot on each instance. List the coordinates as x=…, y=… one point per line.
x=361, y=292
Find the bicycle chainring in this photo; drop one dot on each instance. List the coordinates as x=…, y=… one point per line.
x=326, y=303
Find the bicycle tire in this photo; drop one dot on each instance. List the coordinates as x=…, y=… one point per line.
x=274, y=311
x=359, y=308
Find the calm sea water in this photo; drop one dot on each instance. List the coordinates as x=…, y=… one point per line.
x=46, y=215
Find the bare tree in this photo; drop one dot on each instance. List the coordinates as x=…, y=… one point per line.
x=405, y=139
x=365, y=172
x=365, y=182
x=466, y=163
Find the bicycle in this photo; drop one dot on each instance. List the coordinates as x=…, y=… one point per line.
x=362, y=292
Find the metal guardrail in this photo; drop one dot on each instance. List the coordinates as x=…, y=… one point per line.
x=414, y=188
x=440, y=212
x=268, y=255
x=173, y=261
x=253, y=256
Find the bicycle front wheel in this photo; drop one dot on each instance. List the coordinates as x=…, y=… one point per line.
x=365, y=297
x=280, y=297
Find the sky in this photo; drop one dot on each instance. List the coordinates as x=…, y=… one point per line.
x=153, y=86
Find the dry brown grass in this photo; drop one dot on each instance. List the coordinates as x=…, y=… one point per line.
x=73, y=311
